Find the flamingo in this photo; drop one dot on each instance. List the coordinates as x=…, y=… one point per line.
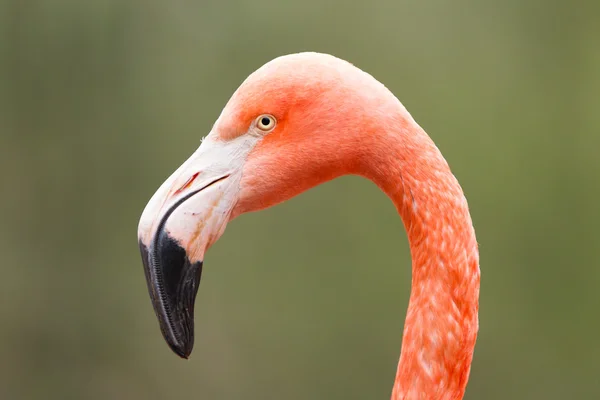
x=298, y=121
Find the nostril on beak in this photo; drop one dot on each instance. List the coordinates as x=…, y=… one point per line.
x=187, y=183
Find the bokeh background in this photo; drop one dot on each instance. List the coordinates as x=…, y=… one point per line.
x=101, y=100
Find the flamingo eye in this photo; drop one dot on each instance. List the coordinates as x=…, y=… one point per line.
x=266, y=122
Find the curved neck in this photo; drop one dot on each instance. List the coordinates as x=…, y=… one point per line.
x=441, y=322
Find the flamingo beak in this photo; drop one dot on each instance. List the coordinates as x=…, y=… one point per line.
x=182, y=220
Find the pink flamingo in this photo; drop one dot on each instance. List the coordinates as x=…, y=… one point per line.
x=298, y=121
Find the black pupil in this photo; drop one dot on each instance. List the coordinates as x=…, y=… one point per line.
x=265, y=121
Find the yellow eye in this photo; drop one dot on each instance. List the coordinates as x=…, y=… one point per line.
x=266, y=122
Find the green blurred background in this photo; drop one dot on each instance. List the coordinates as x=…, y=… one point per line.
x=101, y=100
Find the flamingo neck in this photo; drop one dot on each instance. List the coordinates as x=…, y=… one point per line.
x=441, y=322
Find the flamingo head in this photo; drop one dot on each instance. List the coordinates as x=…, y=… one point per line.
x=298, y=121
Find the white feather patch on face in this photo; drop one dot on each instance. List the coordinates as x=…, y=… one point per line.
x=201, y=218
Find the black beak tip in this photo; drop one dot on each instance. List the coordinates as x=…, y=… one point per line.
x=173, y=282
x=182, y=350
